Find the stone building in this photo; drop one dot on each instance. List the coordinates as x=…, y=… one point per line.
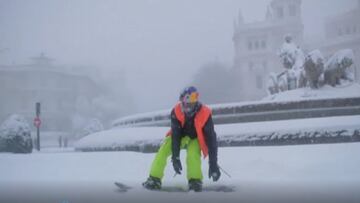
x=256, y=45
x=343, y=32
x=60, y=93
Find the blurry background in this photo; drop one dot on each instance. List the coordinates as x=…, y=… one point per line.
x=94, y=61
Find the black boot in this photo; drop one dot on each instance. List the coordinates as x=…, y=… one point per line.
x=195, y=184
x=152, y=183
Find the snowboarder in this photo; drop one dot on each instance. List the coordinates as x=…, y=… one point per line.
x=192, y=128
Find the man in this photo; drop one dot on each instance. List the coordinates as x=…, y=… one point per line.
x=192, y=128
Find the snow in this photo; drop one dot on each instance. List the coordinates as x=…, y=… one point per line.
x=338, y=57
x=326, y=92
x=294, y=54
x=135, y=136
x=286, y=126
x=118, y=137
x=316, y=56
x=93, y=126
x=148, y=115
x=302, y=173
x=15, y=135
x=288, y=47
x=13, y=126
x=307, y=173
x=349, y=90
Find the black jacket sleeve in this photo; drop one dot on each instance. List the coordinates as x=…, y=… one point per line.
x=211, y=141
x=176, y=135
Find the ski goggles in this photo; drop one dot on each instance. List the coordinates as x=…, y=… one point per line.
x=190, y=98
x=189, y=102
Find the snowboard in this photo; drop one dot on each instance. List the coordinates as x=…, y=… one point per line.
x=178, y=188
x=213, y=188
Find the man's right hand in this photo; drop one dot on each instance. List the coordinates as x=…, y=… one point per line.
x=214, y=172
x=177, y=165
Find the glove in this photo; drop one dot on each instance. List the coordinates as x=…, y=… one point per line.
x=177, y=165
x=214, y=172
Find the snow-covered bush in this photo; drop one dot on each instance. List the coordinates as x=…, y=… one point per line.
x=337, y=67
x=15, y=133
x=93, y=126
x=314, y=68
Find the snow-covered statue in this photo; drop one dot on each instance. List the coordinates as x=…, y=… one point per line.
x=337, y=68
x=293, y=60
x=15, y=133
x=287, y=53
x=277, y=83
x=272, y=85
x=314, y=68
x=283, y=82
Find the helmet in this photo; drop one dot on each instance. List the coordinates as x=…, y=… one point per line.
x=189, y=100
x=189, y=95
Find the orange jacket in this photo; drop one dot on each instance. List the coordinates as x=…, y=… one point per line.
x=200, y=120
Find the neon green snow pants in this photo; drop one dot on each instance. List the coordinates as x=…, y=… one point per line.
x=193, y=158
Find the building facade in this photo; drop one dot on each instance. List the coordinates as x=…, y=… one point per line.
x=343, y=32
x=256, y=45
x=61, y=94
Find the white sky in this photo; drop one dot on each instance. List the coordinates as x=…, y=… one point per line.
x=159, y=43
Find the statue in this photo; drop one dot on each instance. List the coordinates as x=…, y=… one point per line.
x=293, y=61
x=337, y=67
x=301, y=71
x=314, y=68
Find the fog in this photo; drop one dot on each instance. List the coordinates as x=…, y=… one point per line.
x=157, y=44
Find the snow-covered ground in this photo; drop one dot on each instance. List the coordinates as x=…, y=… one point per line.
x=306, y=173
